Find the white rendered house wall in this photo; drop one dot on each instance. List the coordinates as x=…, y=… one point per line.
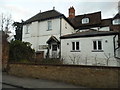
x=86, y=55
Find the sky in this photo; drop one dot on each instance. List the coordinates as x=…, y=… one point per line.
x=24, y=9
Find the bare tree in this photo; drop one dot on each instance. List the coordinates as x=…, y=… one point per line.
x=6, y=22
x=75, y=58
x=107, y=57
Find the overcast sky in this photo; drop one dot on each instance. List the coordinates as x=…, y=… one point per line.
x=24, y=9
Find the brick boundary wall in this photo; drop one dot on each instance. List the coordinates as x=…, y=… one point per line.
x=86, y=76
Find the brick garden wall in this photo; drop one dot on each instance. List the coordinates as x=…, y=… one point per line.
x=87, y=76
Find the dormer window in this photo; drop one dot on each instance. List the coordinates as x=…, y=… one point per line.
x=116, y=21
x=85, y=20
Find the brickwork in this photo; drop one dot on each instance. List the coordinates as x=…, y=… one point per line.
x=5, y=50
x=88, y=76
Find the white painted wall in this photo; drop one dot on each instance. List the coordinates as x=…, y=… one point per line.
x=66, y=28
x=39, y=33
x=86, y=54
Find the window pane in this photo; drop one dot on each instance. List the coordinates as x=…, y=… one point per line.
x=94, y=45
x=73, y=45
x=77, y=45
x=99, y=45
x=27, y=28
x=49, y=25
x=85, y=20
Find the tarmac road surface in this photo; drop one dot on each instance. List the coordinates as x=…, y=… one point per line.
x=19, y=82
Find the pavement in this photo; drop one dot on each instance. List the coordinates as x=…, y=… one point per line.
x=21, y=82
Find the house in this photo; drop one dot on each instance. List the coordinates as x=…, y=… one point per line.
x=96, y=41
x=85, y=37
x=44, y=30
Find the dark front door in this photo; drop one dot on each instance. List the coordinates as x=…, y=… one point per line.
x=54, y=51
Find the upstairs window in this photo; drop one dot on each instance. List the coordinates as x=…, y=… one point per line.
x=85, y=20
x=49, y=25
x=27, y=29
x=116, y=21
x=97, y=45
x=75, y=46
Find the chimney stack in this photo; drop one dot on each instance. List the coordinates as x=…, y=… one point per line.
x=71, y=12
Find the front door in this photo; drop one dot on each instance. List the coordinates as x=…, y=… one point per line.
x=54, y=50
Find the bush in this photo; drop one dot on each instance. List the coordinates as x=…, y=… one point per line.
x=20, y=51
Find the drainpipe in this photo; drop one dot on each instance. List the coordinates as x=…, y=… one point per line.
x=60, y=33
x=115, y=47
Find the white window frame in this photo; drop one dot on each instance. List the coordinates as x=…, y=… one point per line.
x=85, y=20
x=116, y=21
x=75, y=46
x=97, y=46
x=27, y=29
x=49, y=25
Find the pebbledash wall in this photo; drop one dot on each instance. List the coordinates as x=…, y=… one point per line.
x=86, y=76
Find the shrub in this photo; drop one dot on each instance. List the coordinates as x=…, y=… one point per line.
x=20, y=51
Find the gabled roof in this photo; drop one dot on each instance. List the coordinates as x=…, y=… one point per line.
x=95, y=20
x=44, y=16
x=89, y=34
x=51, y=14
x=53, y=39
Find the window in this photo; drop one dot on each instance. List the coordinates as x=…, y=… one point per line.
x=75, y=46
x=27, y=29
x=85, y=20
x=97, y=45
x=49, y=25
x=116, y=21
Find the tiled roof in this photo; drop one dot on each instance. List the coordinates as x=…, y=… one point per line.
x=116, y=16
x=95, y=20
x=89, y=34
x=43, y=16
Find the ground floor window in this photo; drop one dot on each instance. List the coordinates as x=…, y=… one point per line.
x=75, y=46
x=97, y=45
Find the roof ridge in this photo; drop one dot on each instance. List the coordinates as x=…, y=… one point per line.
x=88, y=14
x=43, y=15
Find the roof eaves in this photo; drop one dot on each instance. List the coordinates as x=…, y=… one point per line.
x=89, y=35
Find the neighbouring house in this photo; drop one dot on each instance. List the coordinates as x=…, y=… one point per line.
x=44, y=30
x=88, y=37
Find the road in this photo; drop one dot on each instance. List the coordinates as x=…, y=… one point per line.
x=19, y=82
